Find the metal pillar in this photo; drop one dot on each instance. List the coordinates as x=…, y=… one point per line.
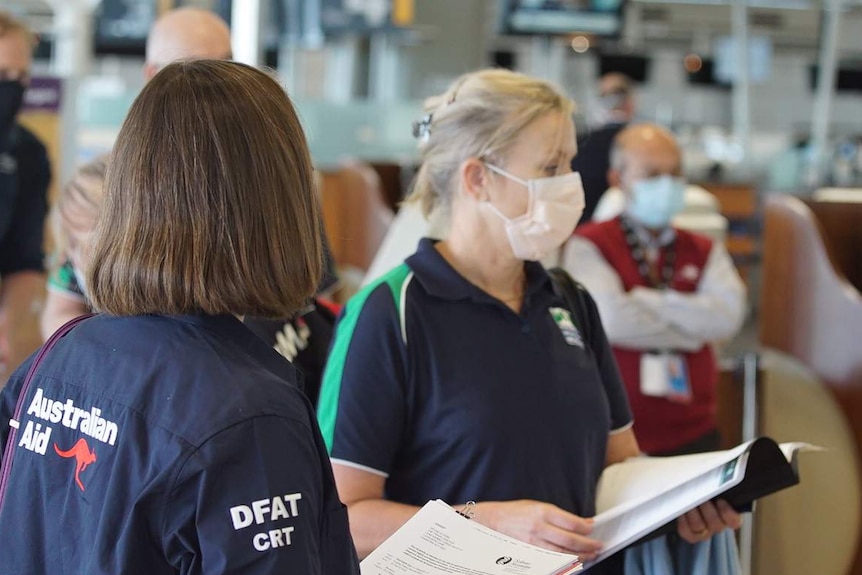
x=548, y=59
x=825, y=89
x=540, y=57
x=750, y=375
x=71, y=60
x=246, y=23
x=341, y=57
x=312, y=30
x=73, y=47
x=385, y=82
x=741, y=83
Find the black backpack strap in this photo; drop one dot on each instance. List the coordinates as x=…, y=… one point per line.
x=574, y=295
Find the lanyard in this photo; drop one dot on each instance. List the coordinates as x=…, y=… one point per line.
x=6, y=465
x=638, y=251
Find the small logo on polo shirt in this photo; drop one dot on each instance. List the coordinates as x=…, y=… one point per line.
x=689, y=272
x=292, y=339
x=563, y=319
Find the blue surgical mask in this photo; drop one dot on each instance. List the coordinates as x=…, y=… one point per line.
x=655, y=201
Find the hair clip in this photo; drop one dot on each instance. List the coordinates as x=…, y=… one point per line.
x=455, y=89
x=468, y=511
x=422, y=128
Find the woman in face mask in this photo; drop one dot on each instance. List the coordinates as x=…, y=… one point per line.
x=460, y=375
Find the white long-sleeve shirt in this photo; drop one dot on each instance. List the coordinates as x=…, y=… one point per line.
x=650, y=319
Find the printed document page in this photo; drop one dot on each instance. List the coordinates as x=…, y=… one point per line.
x=437, y=540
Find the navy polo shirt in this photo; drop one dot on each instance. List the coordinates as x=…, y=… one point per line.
x=447, y=393
x=24, y=177
x=162, y=445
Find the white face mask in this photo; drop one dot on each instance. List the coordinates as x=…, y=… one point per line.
x=79, y=277
x=555, y=206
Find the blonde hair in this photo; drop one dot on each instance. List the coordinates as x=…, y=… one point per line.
x=81, y=196
x=479, y=116
x=11, y=25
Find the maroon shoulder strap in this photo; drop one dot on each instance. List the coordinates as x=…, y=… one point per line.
x=6, y=465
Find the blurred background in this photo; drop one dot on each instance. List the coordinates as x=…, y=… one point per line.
x=765, y=97
x=750, y=87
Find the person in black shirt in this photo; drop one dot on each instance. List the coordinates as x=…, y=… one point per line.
x=24, y=177
x=594, y=150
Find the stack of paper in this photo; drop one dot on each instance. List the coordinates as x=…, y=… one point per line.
x=438, y=541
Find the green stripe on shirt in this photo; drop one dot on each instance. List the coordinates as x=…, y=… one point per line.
x=63, y=281
x=333, y=375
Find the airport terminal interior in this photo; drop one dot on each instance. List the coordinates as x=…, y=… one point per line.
x=761, y=99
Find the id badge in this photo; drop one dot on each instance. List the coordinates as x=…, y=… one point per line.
x=665, y=375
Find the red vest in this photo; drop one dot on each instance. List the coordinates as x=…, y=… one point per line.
x=660, y=424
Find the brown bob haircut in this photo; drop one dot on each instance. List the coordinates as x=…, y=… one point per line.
x=209, y=203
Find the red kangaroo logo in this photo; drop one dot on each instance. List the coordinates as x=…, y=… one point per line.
x=83, y=457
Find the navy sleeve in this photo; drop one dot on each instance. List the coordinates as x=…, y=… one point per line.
x=9, y=399
x=257, y=499
x=362, y=405
x=21, y=248
x=615, y=389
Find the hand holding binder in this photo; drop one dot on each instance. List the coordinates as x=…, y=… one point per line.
x=646, y=495
x=636, y=498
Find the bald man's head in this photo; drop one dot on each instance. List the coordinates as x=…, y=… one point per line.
x=643, y=151
x=186, y=34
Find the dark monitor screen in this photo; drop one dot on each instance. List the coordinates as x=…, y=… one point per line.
x=563, y=17
x=847, y=79
x=635, y=67
x=121, y=26
x=344, y=16
x=506, y=59
x=705, y=76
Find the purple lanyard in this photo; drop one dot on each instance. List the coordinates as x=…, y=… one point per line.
x=15, y=422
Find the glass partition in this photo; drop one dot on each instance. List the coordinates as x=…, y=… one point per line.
x=364, y=130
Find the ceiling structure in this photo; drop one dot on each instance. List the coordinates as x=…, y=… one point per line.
x=790, y=24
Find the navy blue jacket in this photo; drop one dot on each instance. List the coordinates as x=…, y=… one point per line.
x=159, y=445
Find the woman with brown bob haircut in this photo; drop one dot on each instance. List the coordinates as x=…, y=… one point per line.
x=162, y=436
